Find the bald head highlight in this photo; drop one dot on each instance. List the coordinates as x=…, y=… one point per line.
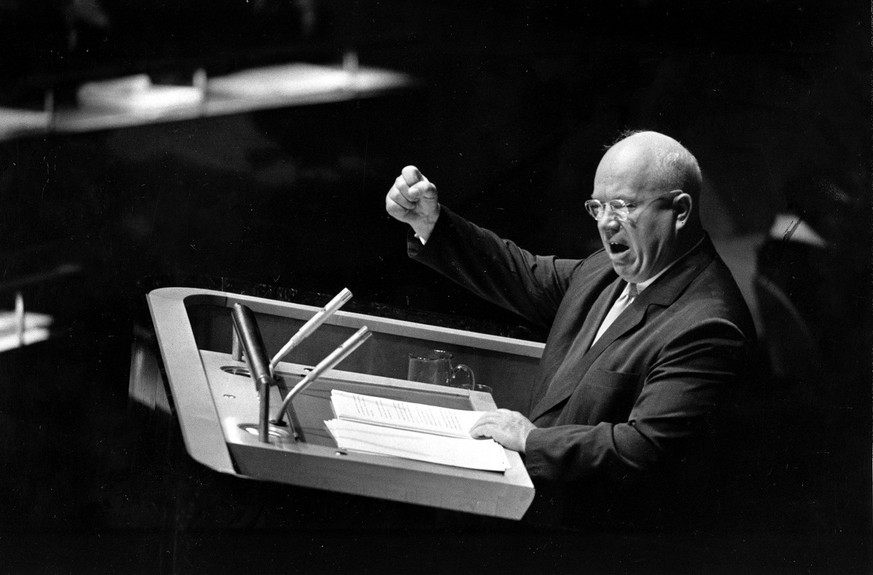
x=671, y=165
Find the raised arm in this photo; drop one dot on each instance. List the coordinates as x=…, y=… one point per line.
x=489, y=266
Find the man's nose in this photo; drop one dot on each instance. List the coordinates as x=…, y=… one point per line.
x=608, y=222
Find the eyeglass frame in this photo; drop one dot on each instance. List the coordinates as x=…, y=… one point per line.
x=622, y=206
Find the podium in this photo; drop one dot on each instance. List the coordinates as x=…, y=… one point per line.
x=217, y=403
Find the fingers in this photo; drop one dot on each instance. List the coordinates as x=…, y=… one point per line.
x=401, y=194
x=508, y=428
x=480, y=430
x=412, y=181
x=411, y=175
x=413, y=186
x=406, y=194
x=487, y=425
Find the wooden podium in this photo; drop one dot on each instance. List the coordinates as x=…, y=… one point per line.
x=217, y=403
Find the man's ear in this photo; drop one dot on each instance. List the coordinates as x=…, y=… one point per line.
x=683, y=204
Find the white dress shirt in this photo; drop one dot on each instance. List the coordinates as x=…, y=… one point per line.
x=630, y=292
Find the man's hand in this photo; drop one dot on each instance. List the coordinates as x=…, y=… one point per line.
x=508, y=428
x=413, y=199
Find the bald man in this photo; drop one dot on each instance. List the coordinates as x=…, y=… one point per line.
x=646, y=335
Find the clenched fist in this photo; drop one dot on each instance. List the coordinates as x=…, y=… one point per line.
x=413, y=199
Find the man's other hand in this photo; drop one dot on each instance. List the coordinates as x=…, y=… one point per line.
x=508, y=428
x=413, y=199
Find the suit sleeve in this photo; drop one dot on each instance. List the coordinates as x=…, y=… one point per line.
x=680, y=394
x=495, y=269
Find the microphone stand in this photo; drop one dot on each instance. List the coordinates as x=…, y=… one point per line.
x=310, y=326
x=262, y=371
x=256, y=358
x=336, y=356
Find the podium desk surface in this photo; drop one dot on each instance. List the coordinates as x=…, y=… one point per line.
x=218, y=406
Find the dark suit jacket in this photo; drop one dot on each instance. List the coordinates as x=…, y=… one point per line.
x=650, y=384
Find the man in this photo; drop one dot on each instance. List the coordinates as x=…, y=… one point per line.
x=646, y=335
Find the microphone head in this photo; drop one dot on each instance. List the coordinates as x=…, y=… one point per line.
x=253, y=344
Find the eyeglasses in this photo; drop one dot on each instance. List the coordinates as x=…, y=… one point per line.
x=620, y=209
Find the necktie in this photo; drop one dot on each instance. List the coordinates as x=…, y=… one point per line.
x=624, y=300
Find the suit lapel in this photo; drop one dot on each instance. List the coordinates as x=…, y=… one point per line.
x=628, y=320
x=578, y=358
x=662, y=293
x=597, y=314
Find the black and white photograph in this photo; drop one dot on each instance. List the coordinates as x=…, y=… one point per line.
x=436, y=287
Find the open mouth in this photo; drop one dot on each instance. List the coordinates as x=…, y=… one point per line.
x=615, y=248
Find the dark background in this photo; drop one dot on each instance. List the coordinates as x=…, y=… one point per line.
x=514, y=104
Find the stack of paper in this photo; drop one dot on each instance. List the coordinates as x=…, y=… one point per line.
x=412, y=431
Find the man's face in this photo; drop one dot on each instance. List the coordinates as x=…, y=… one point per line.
x=645, y=243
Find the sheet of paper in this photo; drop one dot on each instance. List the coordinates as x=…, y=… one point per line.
x=403, y=414
x=483, y=454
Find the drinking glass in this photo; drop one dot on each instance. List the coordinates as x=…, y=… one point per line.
x=435, y=366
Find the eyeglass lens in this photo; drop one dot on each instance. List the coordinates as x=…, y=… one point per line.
x=596, y=209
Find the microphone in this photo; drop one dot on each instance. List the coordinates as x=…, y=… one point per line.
x=310, y=326
x=256, y=358
x=339, y=354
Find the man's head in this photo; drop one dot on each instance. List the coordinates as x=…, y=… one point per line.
x=660, y=181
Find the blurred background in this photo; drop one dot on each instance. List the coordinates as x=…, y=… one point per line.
x=248, y=145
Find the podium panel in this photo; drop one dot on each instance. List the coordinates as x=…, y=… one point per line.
x=217, y=403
